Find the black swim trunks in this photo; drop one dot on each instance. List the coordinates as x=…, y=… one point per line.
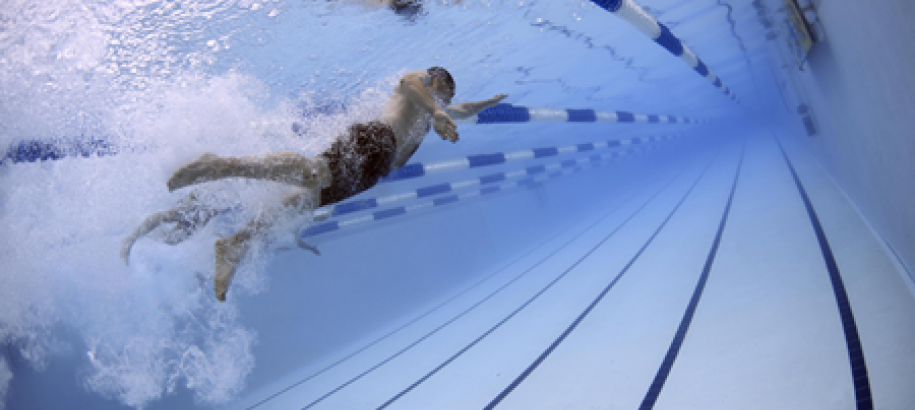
x=358, y=160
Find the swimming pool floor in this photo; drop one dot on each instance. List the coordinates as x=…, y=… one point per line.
x=708, y=288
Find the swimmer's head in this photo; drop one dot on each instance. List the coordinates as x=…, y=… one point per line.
x=442, y=84
x=408, y=9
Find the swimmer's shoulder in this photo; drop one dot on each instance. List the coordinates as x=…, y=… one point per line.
x=421, y=75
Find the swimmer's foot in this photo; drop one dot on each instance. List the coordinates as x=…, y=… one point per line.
x=201, y=280
x=202, y=170
x=125, y=249
x=229, y=254
x=302, y=244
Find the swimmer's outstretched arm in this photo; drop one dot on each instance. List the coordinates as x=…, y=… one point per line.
x=469, y=109
x=150, y=223
x=414, y=89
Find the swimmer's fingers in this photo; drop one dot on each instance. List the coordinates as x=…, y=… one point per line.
x=441, y=120
x=449, y=135
x=445, y=127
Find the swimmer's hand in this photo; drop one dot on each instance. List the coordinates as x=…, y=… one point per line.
x=444, y=126
x=495, y=100
x=469, y=109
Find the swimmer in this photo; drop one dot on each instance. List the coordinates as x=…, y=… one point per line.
x=189, y=215
x=355, y=162
x=408, y=9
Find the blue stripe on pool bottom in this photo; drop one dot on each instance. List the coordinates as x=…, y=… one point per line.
x=530, y=369
x=857, y=363
x=651, y=397
x=528, y=302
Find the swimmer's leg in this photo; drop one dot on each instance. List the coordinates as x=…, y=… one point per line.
x=231, y=251
x=285, y=167
x=179, y=233
x=150, y=223
x=194, y=216
x=188, y=205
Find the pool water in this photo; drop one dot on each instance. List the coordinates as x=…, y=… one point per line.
x=739, y=260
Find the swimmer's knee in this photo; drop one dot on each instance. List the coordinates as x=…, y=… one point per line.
x=320, y=172
x=306, y=199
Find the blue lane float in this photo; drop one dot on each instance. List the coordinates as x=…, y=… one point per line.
x=419, y=169
x=508, y=114
x=359, y=205
x=45, y=150
x=638, y=18
x=37, y=150
x=534, y=177
x=513, y=114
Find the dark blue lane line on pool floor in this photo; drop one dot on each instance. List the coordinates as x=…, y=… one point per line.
x=660, y=378
x=458, y=316
x=852, y=339
x=405, y=325
x=533, y=366
x=535, y=296
x=433, y=310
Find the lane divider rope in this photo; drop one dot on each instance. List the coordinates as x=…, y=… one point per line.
x=534, y=176
x=431, y=190
x=661, y=34
x=419, y=169
x=508, y=113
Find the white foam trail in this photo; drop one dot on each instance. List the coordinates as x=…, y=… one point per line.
x=149, y=327
x=162, y=84
x=74, y=69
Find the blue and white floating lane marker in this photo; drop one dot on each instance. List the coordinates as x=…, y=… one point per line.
x=638, y=18
x=507, y=113
x=419, y=169
x=562, y=169
x=38, y=150
x=350, y=207
x=32, y=151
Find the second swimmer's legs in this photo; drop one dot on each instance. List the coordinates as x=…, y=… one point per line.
x=231, y=251
x=285, y=167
